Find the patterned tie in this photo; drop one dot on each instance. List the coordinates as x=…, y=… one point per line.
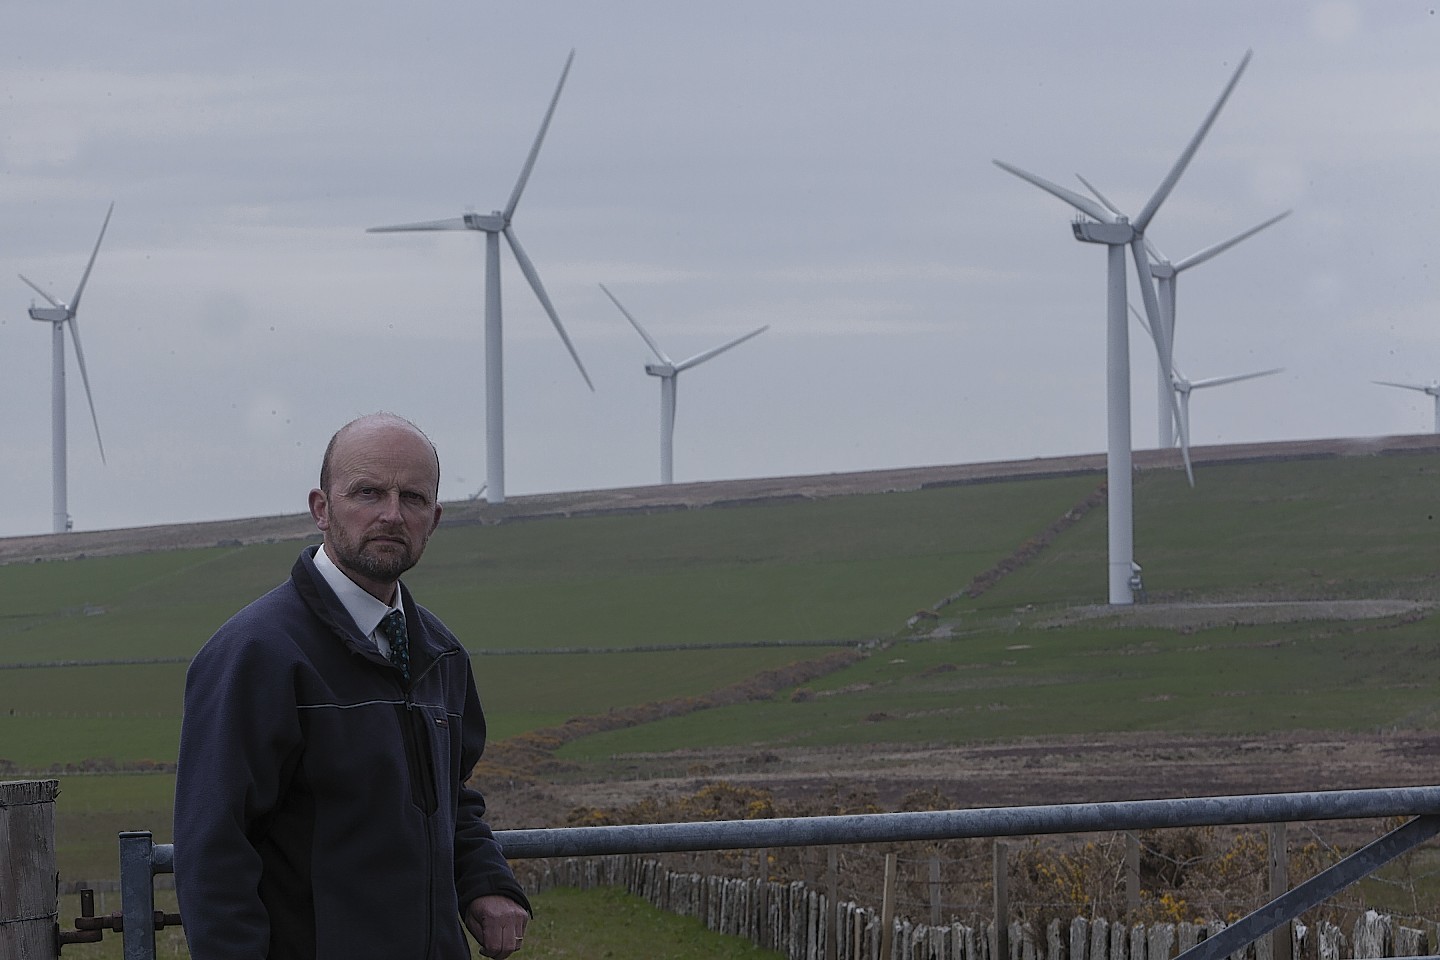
x=394, y=627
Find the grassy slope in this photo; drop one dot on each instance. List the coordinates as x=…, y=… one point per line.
x=1353, y=528
x=1082, y=680
x=834, y=570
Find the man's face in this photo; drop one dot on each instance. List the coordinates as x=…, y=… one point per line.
x=380, y=509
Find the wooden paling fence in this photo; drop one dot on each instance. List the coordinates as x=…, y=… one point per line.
x=792, y=918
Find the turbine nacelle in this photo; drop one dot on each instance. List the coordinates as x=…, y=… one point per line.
x=660, y=369
x=1089, y=231
x=494, y=222
x=50, y=314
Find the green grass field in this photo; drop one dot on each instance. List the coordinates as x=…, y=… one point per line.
x=838, y=570
x=568, y=925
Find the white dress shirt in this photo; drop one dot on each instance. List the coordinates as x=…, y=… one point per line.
x=364, y=609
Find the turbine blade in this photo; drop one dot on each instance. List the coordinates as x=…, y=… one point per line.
x=85, y=277
x=1163, y=347
x=535, y=147
x=654, y=347
x=85, y=378
x=1213, y=251
x=1234, y=378
x=1184, y=420
x=454, y=223
x=1100, y=196
x=1158, y=333
x=1403, y=386
x=1140, y=318
x=700, y=358
x=528, y=268
x=49, y=299
x=1183, y=161
x=1082, y=203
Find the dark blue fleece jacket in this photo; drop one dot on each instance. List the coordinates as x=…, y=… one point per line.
x=320, y=806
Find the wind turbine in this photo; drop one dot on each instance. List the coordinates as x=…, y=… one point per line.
x=1167, y=275
x=493, y=225
x=669, y=372
x=1181, y=386
x=1432, y=388
x=59, y=315
x=1117, y=232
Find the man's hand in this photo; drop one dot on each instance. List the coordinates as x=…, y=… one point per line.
x=498, y=924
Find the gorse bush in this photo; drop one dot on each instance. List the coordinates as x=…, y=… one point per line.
x=1196, y=875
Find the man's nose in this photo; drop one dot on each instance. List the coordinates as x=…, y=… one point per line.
x=390, y=505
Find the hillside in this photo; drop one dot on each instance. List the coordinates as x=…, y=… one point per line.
x=684, y=496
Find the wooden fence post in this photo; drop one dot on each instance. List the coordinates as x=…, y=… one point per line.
x=1000, y=949
x=1280, y=942
x=832, y=897
x=934, y=890
x=1132, y=874
x=887, y=908
x=29, y=884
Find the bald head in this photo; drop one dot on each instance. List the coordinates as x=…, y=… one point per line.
x=377, y=500
x=368, y=424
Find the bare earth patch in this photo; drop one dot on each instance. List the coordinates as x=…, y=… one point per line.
x=1089, y=769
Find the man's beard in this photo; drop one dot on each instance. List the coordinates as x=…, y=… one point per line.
x=385, y=568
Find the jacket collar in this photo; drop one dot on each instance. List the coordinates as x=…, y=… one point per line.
x=425, y=645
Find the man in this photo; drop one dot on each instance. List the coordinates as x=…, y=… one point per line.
x=320, y=805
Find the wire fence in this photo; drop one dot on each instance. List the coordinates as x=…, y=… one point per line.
x=1143, y=895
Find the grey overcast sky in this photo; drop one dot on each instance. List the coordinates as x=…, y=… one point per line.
x=821, y=167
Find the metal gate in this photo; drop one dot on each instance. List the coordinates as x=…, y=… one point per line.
x=141, y=859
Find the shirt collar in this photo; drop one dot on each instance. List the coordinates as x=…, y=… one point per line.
x=365, y=610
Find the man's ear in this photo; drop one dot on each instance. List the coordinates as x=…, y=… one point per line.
x=434, y=523
x=320, y=509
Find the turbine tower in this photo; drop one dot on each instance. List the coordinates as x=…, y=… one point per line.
x=1432, y=388
x=60, y=315
x=669, y=373
x=493, y=225
x=1100, y=224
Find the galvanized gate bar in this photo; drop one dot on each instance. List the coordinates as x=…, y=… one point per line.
x=137, y=894
x=1317, y=889
x=953, y=824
